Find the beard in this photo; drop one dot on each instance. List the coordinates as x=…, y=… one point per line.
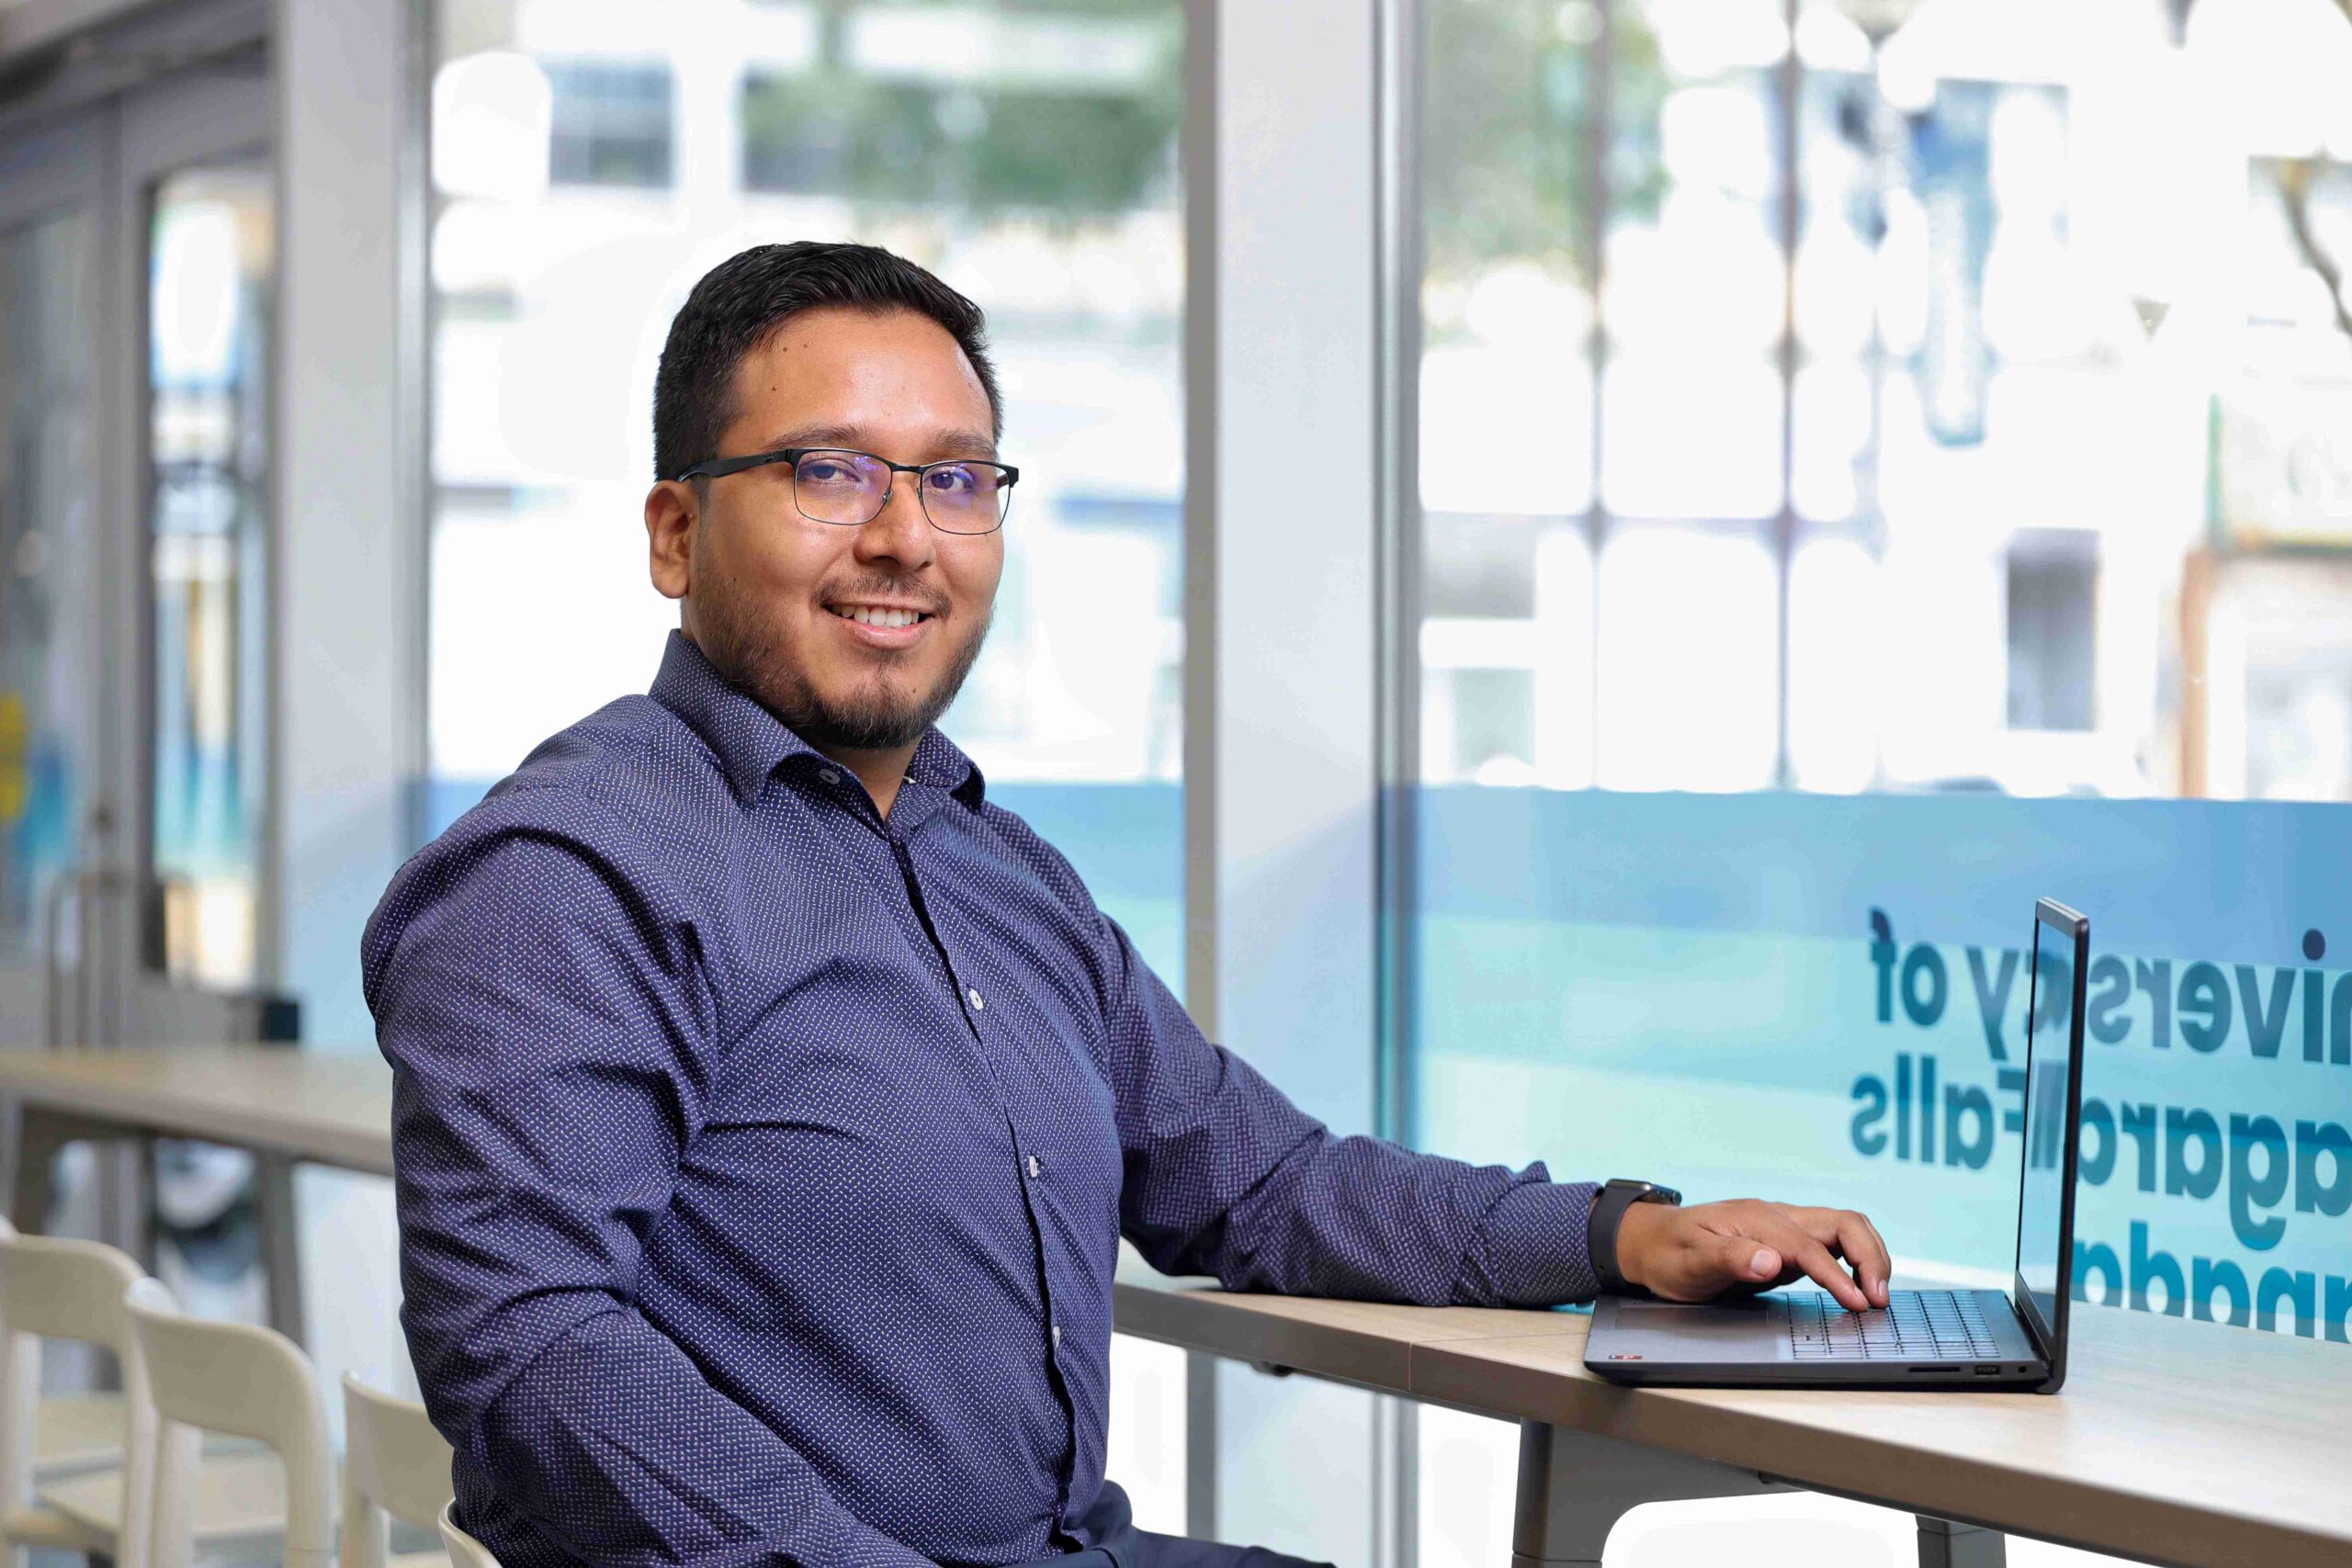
x=875, y=715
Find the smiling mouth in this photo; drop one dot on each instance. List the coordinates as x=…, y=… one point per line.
x=879, y=616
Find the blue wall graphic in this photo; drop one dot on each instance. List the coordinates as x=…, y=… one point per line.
x=1821, y=998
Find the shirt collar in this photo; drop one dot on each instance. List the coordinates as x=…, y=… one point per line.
x=751, y=742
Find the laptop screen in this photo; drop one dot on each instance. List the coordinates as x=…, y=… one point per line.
x=2053, y=1036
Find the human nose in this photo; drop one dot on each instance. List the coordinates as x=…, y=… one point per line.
x=899, y=531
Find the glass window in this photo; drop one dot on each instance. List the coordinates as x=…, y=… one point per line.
x=1933, y=492
x=1508, y=433
x=210, y=276
x=1688, y=659
x=46, y=532
x=1691, y=265
x=955, y=142
x=1028, y=156
x=610, y=123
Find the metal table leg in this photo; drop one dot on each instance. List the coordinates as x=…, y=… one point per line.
x=281, y=1253
x=1943, y=1544
x=31, y=1151
x=1575, y=1486
x=40, y=1135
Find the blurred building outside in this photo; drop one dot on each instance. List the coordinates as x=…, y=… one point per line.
x=2019, y=457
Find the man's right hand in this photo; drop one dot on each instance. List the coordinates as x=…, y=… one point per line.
x=1747, y=1244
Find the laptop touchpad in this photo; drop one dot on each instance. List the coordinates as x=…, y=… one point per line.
x=1680, y=1315
x=1733, y=1321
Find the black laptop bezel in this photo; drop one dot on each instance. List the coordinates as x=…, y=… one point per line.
x=2050, y=1338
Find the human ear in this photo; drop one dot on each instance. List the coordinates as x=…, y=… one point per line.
x=672, y=510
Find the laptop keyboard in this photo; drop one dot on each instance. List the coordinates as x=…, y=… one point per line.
x=1913, y=1326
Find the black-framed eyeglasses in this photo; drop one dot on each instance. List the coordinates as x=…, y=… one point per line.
x=834, y=484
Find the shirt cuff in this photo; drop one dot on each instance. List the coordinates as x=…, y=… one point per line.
x=1532, y=1251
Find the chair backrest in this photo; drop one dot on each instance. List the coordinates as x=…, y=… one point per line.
x=64, y=1289
x=237, y=1377
x=394, y=1465
x=465, y=1551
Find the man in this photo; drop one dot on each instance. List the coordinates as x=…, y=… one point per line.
x=769, y=1104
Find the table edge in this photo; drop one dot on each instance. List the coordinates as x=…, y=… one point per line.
x=1196, y=1315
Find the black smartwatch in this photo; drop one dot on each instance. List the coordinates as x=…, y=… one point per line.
x=1601, y=1233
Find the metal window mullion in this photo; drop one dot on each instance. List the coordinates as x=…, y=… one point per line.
x=116, y=830
x=1397, y=600
x=419, y=308
x=1396, y=684
x=1599, y=129
x=1197, y=153
x=1791, y=89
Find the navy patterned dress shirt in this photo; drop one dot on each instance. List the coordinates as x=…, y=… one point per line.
x=761, y=1162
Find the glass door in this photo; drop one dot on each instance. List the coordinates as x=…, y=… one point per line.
x=136, y=276
x=56, y=812
x=197, y=173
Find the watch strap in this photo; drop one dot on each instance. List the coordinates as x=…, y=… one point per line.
x=1601, y=1231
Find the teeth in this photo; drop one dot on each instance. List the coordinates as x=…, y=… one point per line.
x=866, y=616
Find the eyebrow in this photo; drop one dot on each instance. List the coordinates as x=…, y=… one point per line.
x=958, y=442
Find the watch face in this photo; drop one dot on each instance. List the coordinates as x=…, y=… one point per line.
x=1645, y=1191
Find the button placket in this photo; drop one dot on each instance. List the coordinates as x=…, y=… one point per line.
x=1031, y=1165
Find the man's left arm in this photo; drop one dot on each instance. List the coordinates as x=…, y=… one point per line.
x=1225, y=1176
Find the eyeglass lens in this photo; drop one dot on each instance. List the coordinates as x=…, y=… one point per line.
x=851, y=488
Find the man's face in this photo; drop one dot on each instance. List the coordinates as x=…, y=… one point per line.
x=770, y=595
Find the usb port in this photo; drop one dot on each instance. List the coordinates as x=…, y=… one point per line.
x=1988, y=1371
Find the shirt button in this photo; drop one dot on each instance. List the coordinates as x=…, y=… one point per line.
x=1057, y=1329
x=829, y=776
x=1035, y=1167
x=973, y=996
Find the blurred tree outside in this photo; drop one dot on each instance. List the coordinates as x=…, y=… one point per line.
x=1027, y=144
x=1508, y=125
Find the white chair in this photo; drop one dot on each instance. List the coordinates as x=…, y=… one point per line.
x=395, y=1466
x=237, y=1377
x=60, y=1289
x=71, y=1432
x=70, y=1290
x=465, y=1551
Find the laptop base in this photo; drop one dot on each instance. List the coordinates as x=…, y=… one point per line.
x=1750, y=1342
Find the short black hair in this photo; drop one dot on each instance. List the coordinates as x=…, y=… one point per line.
x=743, y=299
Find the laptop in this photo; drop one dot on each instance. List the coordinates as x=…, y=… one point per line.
x=2012, y=1339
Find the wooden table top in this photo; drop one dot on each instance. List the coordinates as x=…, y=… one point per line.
x=331, y=1108
x=2172, y=1441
